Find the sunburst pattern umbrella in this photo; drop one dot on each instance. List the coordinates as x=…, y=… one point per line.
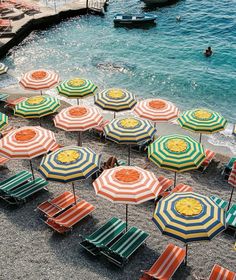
x=177, y=153
x=3, y=68
x=27, y=143
x=70, y=164
x=76, y=88
x=156, y=110
x=189, y=217
x=40, y=79
x=128, y=185
x=115, y=100
x=37, y=106
x=129, y=131
x=3, y=121
x=202, y=121
x=78, y=118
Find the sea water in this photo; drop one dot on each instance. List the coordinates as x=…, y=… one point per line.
x=163, y=61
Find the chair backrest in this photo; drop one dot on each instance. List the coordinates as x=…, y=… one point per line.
x=182, y=188
x=165, y=183
x=220, y=273
x=63, y=199
x=15, y=181
x=218, y=201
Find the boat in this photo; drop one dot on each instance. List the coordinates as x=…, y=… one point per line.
x=134, y=19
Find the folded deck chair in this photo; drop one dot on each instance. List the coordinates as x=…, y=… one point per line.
x=220, y=202
x=166, y=265
x=220, y=273
x=179, y=188
x=26, y=190
x=52, y=207
x=14, y=182
x=209, y=157
x=231, y=216
x=125, y=246
x=103, y=236
x=65, y=221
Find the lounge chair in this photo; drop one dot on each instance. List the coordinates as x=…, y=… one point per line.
x=125, y=246
x=220, y=202
x=55, y=147
x=15, y=181
x=167, y=264
x=221, y=273
x=3, y=97
x=21, y=193
x=209, y=157
x=165, y=185
x=5, y=24
x=228, y=167
x=179, y=188
x=231, y=216
x=3, y=160
x=52, y=207
x=99, y=130
x=103, y=236
x=5, y=131
x=66, y=220
x=11, y=103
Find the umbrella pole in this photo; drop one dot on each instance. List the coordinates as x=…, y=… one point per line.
x=77, y=101
x=230, y=198
x=73, y=187
x=80, y=138
x=41, y=92
x=175, y=178
x=114, y=115
x=200, y=138
x=129, y=151
x=126, y=217
x=186, y=257
x=32, y=170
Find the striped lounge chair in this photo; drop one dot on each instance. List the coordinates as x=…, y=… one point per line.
x=52, y=207
x=228, y=168
x=11, y=103
x=66, y=220
x=165, y=185
x=3, y=97
x=125, y=246
x=220, y=202
x=3, y=160
x=103, y=236
x=166, y=265
x=220, y=273
x=231, y=217
x=179, y=188
x=209, y=157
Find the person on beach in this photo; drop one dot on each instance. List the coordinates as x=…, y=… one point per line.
x=208, y=52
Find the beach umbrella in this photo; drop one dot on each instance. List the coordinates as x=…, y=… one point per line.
x=70, y=164
x=37, y=106
x=232, y=181
x=3, y=68
x=27, y=143
x=129, y=131
x=40, y=79
x=156, y=110
x=3, y=121
x=127, y=185
x=115, y=100
x=76, y=88
x=177, y=153
x=202, y=121
x=189, y=217
x=78, y=118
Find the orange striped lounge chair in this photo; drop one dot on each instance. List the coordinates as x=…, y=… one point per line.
x=11, y=103
x=179, y=188
x=66, y=220
x=52, y=207
x=55, y=147
x=5, y=24
x=220, y=273
x=3, y=160
x=165, y=184
x=209, y=157
x=99, y=130
x=166, y=265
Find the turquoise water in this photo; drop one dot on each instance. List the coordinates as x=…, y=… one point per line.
x=164, y=61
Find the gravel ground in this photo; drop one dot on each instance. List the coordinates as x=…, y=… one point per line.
x=30, y=250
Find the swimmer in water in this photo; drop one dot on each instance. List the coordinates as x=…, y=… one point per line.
x=208, y=52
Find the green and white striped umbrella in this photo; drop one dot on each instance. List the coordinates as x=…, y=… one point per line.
x=3, y=68
x=3, y=121
x=202, y=121
x=177, y=153
x=37, y=106
x=76, y=88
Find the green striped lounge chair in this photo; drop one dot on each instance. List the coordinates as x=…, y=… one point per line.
x=231, y=217
x=23, y=192
x=125, y=246
x=103, y=236
x=3, y=97
x=228, y=167
x=219, y=202
x=13, y=182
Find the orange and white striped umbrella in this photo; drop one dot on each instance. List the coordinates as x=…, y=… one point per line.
x=27, y=142
x=40, y=79
x=156, y=110
x=78, y=118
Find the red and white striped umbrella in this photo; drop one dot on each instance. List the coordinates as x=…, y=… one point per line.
x=78, y=118
x=156, y=110
x=39, y=79
x=232, y=181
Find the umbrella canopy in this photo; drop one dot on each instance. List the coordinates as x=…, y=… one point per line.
x=70, y=164
x=202, y=121
x=232, y=181
x=3, y=68
x=40, y=79
x=189, y=217
x=37, y=106
x=3, y=121
x=115, y=100
x=156, y=110
x=76, y=88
